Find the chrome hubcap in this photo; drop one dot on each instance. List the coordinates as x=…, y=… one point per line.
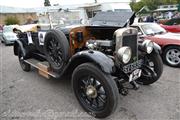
x=91, y=91
x=173, y=56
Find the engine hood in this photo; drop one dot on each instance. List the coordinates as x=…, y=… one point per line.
x=113, y=19
x=168, y=35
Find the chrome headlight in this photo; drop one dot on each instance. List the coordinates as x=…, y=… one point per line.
x=148, y=44
x=124, y=54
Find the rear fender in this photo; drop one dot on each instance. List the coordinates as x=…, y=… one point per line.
x=18, y=44
x=102, y=61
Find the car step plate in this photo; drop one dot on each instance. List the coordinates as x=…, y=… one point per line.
x=42, y=67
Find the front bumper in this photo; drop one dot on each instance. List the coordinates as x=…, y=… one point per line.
x=9, y=41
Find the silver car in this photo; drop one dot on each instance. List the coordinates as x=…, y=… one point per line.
x=8, y=35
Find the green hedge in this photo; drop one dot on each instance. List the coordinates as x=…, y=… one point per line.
x=11, y=21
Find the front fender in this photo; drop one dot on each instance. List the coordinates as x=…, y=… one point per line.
x=157, y=48
x=18, y=44
x=105, y=63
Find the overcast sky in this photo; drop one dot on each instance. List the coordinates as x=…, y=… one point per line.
x=40, y=3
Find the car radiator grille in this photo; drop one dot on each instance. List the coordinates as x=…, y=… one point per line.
x=131, y=41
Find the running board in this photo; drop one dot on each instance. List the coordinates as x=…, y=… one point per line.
x=43, y=68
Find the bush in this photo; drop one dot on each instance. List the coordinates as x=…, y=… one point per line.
x=11, y=21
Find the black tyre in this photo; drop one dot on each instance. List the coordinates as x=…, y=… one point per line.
x=56, y=49
x=96, y=92
x=5, y=43
x=152, y=69
x=25, y=66
x=2, y=39
x=171, y=56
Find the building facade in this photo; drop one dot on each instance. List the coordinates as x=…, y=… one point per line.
x=20, y=13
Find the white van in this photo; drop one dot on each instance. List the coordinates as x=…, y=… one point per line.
x=91, y=9
x=115, y=7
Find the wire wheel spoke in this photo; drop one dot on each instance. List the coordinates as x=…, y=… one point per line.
x=89, y=80
x=98, y=86
x=51, y=43
x=85, y=83
x=101, y=99
x=50, y=47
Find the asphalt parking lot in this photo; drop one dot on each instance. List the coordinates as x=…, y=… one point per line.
x=28, y=96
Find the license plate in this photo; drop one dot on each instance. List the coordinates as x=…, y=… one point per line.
x=132, y=66
x=135, y=74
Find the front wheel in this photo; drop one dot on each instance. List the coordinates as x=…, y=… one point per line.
x=152, y=69
x=96, y=92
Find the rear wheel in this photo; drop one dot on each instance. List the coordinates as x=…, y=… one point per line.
x=152, y=69
x=96, y=92
x=171, y=56
x=25, y=66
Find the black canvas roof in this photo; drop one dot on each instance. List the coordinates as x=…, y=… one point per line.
x=115, y=19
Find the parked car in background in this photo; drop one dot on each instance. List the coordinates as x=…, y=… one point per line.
x=1, y=30
x=8, y=36
x=169, y=42
x=172, y=25
x=171, y=28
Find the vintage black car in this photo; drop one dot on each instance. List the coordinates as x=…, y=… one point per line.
x=102, y=59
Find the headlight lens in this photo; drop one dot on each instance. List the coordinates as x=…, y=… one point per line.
x=124, y=54
x=148, y=44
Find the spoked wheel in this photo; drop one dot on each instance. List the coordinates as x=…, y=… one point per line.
x=56, y=49
x=151, y=70
x=55, y=52
x=92, y=92
x=172, y=56
x=96, y=92
x=25, y=66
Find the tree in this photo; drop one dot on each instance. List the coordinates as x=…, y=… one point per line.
x=11, y=21
x=151, y=4
x=47, y=3
x=136, y=6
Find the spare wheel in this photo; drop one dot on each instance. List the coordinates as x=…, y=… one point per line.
x=56, y=49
